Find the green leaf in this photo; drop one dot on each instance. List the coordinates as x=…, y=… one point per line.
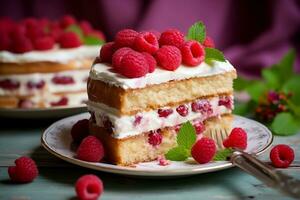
x=286, y=65
x=223, y=154
x=294, y=108
x=186, y=136
x=293, y=86
x=177, y=154
x=241, y=83
x=272, y=78
x=76, y=29
x=92, y=40
x=285, y=124
x=197, y=32
x=244, y=109
x=214, y=54
x=257, y=90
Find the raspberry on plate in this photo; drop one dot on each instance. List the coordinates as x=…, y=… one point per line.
x=125, y=38
x=236, y=139
x=118, y=56
x=43, y=43
x=282, y=156
x=171, y=37
x=168, y=57
x=208, y=42
x=146, y=42
x=107, y=51
x=90, y=149
x=192, y=53
x=80, y=130
x=204, y=150
x=89, y=187
x=69, y=40
x=134, y=65
x=151, y=61
x=25, y=170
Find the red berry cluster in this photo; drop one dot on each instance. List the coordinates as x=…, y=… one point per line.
x=42, y=34
x=134, y=54
x=271, y=105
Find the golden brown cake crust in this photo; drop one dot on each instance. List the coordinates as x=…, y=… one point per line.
x=131, y=101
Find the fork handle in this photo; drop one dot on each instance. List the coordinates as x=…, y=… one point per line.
x=266, y=173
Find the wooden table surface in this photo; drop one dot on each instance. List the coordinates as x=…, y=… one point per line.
x=56, y=179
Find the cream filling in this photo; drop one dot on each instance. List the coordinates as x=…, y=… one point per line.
x=125, y=126
x=79, y=77
x=103, y=72
x=54, y=55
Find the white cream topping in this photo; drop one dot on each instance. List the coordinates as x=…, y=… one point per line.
x=103, y=72
x=54, y=55
x=79, y=77
x=125, y=126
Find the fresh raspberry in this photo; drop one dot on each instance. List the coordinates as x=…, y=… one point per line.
x=192, y=53
x=118, y=56
x=62, y=102
x=85, y=27
x=43, y=43
x=6, y=24
x=199, y=127
x=204, y=150
x=30, y=23
x=125, y=38
x=25, y=104
x=171, y=37
x=66, y=21
x=56, y=33
x=5, y=41
x=107, y=51
x=35, y=84
x=137, y=120
x=155, y=137
x=134, y=65
x=34, y=33
x=89, y=187
x=80, y=130
x=69, y=40
x=202, y=106
x=90, y=149
x=25, y=170
x=21, y=45
x=156, y=33
x=9, y=84
x=63, y=80
x=236, y=139
x=208, y=42
x=183, y=110
x=168, y=57
x=18, y=32
x=164, y=112
x=151, y=61
x=146, y=42
x=282, y=156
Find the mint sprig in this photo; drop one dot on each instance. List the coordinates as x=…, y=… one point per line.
x=197, y=32
x=186, y=137
x=223, y=154
x=213, y=54
x=86, y=39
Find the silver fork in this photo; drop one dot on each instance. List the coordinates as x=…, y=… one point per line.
x=262, y=171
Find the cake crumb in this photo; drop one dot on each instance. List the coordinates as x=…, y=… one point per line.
x=162, y=161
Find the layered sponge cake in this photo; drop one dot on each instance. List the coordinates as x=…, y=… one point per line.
x=137, y=114
x=45, y=63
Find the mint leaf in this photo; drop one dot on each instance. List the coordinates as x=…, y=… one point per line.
x=177, y=154
x=286, y=65
x=272, y=78
x=285, y=124
x=223, y=154
x=257, y=90
x=213, y=54
x=197, y=32
x=76, y=29
x=294, y=108
x=92, y=40
x=292, y=85
x=241, y=83
x=186, y=136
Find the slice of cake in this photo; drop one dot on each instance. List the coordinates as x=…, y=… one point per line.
x=45, y=63
x=144, y=86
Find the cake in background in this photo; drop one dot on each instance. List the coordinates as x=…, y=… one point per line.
x=45, y=63
x=144, y=85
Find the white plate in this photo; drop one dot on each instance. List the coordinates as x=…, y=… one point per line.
x=35, y=113
x=57, y=140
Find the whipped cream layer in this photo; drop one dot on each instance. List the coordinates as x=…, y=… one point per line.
x=54, y=55
x=127, y=126
x=79, y=77
x=104, y=72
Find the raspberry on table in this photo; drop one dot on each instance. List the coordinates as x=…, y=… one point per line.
x=171, y=37
x=43, y=43
x=69, y=40
x=125, y=38
x=192, y=53
x=107, y=51
x=25, y=170
x=134, y=65
x=146, y=42
x=168, y=57
x=204, y=150
x=90, y=149
x=151, y=61
x=282, y=156
x=236, y=139
x=89, y=187
x=118, y=56
x=80, y=130
x=208, y=42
